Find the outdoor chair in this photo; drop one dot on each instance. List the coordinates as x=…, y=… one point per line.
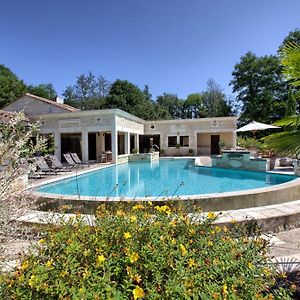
x=78, y=160
x=57, y=165
x=70, y=160
x=43, y=166
x=103, y=158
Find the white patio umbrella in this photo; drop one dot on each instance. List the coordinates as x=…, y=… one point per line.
x=255, y=126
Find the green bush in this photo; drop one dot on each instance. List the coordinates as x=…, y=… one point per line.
x=249, y=143
x=137, y=251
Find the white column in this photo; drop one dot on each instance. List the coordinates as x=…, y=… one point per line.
x=127, y=143
x=137, y=142
x=234, y=139
x=85, y=145
x=114, y=141
x=194, y=143
x=57, y=144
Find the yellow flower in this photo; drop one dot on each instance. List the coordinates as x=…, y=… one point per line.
x=138, y=293
x=150, y=203
x=137, y=206
x=173, y=241
x=211, y=215
x=173, y=223
x=86, y=274
x=127, y=235
x=224, y=290
x=49, y=263
x=42, y=241
x=86, y=252
x=183, y=250
x=120, y=213
x=100, y=259
x=133, y=218
x=137, y=278
x=134, y=257
x=164, y=208
x=191, y=263
x=210, y=243
x=25, y=265
x=250, y=265
x=192, y=231
x=218, y=228
x=31, y=280
x=267, y=272
x=63, y=273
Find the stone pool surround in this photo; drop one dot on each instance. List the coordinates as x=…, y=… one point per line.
x=276, y=194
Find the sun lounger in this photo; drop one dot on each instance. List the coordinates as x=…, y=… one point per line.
x=77, y=159
x=43, y=167
x=57, y=165
x=70, y=160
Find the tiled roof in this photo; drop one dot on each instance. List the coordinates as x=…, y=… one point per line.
x=6, y=116
x=61, y=105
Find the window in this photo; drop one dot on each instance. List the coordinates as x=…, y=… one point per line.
x=184, y=141
x=172, y=141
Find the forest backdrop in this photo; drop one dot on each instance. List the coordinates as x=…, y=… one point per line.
x=260, y=92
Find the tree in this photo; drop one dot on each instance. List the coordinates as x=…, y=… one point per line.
x=260, y=88
x=88, y=92
x=172, y=104
x=214, y=101
x=43, y=90
x=193, y=106
x=293, y=37
x=124, y=95
x=11, y=87
x=127, y=96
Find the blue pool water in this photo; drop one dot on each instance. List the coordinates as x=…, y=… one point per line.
x=162, y=178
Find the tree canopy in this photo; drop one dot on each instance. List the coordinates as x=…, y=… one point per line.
x=88, y=92
x=260, y=88
x=43, y=90
x=11, y=87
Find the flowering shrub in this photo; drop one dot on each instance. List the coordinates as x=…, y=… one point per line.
x=143, y=251
x=15, y=149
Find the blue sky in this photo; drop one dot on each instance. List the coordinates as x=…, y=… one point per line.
x=171, y=45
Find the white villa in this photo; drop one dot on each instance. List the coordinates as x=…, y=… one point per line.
x=90, y=133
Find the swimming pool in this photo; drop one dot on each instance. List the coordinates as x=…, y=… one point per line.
x=161, y=178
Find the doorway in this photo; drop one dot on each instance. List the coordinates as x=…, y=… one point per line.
x=71, y=143
x=214, y=144
x=92, y=146
x=147, y=141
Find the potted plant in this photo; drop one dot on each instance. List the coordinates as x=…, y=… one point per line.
x=222, y=145
x=191, y=151
x=296, y=163
x=134, y=151
x=271, y=156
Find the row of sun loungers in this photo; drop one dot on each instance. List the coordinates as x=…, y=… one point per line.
x=50, y=164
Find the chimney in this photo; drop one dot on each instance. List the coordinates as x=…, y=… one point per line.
x=59, y=100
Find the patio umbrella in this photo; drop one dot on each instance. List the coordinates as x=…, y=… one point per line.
x=255, y=126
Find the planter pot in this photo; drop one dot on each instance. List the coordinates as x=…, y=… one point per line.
x=296, y=164
x=271, y=163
